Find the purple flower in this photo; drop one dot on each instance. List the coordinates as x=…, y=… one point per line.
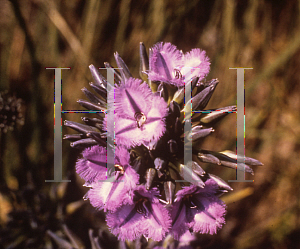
x=139, y=115
x=198, y=209
x=110, y=194
x=165, y=63
x=170, y=65
x=145, y=216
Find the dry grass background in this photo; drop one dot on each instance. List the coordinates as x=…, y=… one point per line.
x=263, y=34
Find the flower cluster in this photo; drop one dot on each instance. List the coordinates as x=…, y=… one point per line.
x=149, y=191
x=10, y=112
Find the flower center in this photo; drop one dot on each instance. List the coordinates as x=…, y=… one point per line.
x=119, y=168
x=141, y=206
x=190, y=201
x=178, y=74
x=140, y=118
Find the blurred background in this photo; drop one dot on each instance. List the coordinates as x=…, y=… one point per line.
x=36, y=34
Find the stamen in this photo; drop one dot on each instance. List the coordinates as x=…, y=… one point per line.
x=119, y=168
x=192, y=202
x=178, y=74
x=140, y=118
x=141, y=208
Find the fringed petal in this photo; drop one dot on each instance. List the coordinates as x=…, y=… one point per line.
x=127, y=132
x=111, y=194
x=93, y=164
x=158, y=224
x=125, y=223
x=131, y=97
x=211, y=218
x=196, y=64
